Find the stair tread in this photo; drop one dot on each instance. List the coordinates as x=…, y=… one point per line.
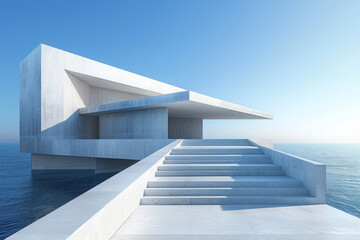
x=216, y=147
x=222, y=164
x=233, y=196
x=226, y=188
x=214, y=156
x=225, y=178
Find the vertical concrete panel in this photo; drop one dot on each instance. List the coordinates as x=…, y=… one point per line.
x=149, y=123
x=30, y=100
x=112, y=165
x=62, y=94
x=43, y=161
x=185, y=128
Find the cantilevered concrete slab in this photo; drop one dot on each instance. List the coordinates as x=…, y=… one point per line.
x=184, y=104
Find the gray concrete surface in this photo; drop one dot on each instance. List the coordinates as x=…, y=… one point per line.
x=310, y=222
x=141, y=124
x=312, y=174
x=226, y=183
x=64, y=98
x=186, y=104
x=185, y=128
x=133, y=149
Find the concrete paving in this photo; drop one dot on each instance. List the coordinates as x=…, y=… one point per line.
x=239, y=222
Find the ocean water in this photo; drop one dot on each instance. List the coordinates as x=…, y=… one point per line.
x=26, y=195
x=342, y=171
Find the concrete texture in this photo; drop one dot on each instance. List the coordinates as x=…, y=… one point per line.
x=186, y=104
x=43, y=161
x=149, y=124
x=199, y=182
x=30, y=97
x=311, y=173
x=65, y=98
x=55, y=84
x=132, y=149
x=185, y=128
x=99, y=212
x=311, y=222
x=100, y=165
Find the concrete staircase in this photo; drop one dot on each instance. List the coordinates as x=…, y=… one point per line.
x=222, y=172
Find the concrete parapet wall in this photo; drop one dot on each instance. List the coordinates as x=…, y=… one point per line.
x=311, y=173
x=99, y=212
x=133, y=149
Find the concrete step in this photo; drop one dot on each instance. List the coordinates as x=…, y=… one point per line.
x=215, y=147
x=245, y=158
x=215, y=142
x=225, y=200
x=220, y=173
x=226, y=191
x=224, y=181
x=216, y=151
x=218, y=161
x=217, y=167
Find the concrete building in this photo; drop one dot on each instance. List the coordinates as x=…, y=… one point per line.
x=76, y=113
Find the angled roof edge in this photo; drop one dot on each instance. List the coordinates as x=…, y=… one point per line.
x=174, y=100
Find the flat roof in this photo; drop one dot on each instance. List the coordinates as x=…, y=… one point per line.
x=185, y=104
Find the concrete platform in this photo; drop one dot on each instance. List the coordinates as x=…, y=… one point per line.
x=240, y=222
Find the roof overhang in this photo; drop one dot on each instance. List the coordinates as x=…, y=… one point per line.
x=184, y=104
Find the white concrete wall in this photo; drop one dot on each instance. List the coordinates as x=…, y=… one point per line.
x=99, y=212
x=51, y=162
x=133, y=149
x=185, y=128
x=52, y=92
x=99, y=165
x=264, y=142
x=30, y=100
x=142, y=124
x=311, y=173
x=102, y=96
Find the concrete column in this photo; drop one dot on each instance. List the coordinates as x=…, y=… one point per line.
x=149, y=123
x=185, y=128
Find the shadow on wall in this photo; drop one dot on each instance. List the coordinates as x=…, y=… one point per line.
x=74, y=127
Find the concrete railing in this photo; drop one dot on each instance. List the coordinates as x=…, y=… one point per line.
x=311, y=173
x=99, y=212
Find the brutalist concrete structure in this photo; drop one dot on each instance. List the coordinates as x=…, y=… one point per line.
x=76, y=113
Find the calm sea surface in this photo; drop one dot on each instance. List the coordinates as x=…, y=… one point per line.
x=26, y=196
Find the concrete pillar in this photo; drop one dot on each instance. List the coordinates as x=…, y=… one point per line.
x=185, y=128
x=148, y=123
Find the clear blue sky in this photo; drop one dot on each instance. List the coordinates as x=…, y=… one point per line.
x=298, y=60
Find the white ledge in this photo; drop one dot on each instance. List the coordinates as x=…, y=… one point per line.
x=184, y=104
